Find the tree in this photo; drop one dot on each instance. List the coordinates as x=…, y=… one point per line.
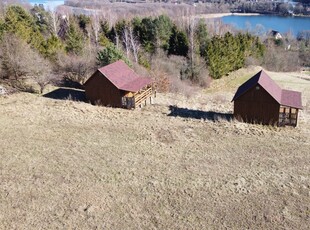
x=228, y=53
x=55, y=20
x=126, y=41
x=279, y=59
x=304, y=36
x=96, y=25
x=178, y=42
x=146, y=31
x=52, y=46
x=18, y=21
x=45, y=79
x=76, y=68
x=111, y=54
x=74, y=40
x=42, y=19
x=130, y=43
x=84, y=23
x=214, y=57
x=112, y=36
x=17, y=58
x=192, y=71
x=104, y=27
x=19, y=61
x=134, y=44
x=163, y=25
x=202, y=37
x=299, y=9
x=283, y=8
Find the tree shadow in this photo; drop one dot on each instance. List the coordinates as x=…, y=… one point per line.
x=67, y=94
x=68, y=83
x=198, y=114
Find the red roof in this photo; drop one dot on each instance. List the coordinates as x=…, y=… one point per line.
x=291, y=98
x=282, y=96
x=123, y=77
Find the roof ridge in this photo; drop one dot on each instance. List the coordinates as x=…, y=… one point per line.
x=123, y=76
x=270, y=86
x=282, y=96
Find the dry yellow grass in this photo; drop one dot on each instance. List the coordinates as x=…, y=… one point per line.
x=71, y=165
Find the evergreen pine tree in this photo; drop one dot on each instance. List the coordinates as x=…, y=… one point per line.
x=178, y=42
x=74, y=40
x=111, y=54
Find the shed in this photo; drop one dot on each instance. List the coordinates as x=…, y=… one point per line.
x=275, y=34
x=117, y=85
x=261, y=100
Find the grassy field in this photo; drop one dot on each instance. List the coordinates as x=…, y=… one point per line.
x=181, y=163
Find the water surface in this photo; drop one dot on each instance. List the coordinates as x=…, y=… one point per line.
x=48, y=4
x=269, y=22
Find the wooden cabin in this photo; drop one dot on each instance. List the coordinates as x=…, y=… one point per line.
x=117, y=85
x=261, y=100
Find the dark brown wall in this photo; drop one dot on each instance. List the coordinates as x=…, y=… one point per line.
x=257, y=106
x=100, y=90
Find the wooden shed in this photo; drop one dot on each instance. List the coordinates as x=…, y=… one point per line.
x=261, y=100
x=117, y=85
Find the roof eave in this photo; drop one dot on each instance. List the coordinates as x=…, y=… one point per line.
x=135, y=90
x=293, y=106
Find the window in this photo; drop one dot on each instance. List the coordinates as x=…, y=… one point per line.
x=287, y=116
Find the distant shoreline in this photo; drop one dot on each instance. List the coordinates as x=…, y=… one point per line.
x=220, y=15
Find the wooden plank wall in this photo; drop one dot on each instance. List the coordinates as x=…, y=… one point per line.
x=257, y=106
x=100, y=90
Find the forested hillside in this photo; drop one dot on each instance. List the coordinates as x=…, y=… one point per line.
x=53, y=47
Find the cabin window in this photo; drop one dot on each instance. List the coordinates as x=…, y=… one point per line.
x=128, y=102
x=124, y=102
x=287, y=116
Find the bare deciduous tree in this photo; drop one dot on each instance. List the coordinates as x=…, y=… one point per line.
x=19, y=63
x=18, y=59
x=96, y=17
x=65, y=13
x=55, y=22
x=46, y=79
x=134, y=43
x=191, y=28
x=130, y=43
x=77, y=68
x=126, y=41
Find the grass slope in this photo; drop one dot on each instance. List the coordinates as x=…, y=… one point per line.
x=67, y=164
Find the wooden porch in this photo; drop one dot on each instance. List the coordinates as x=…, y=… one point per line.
x=133, y=100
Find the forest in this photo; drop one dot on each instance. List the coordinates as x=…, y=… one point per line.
x=284, y=8
x=60, y=47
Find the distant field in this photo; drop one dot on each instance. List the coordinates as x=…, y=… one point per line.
x=70, y=165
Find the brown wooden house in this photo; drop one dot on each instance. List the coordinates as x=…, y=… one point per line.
x=261, y=100
x=117, y=85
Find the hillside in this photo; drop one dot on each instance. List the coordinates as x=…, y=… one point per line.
x=68, y=164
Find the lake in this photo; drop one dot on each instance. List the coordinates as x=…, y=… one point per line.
x=48, y=4
x=269, y=22
x=264, y=22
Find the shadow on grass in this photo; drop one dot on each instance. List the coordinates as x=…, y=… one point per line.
x=67, y=94
x=67, y=83
x=198, y=114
